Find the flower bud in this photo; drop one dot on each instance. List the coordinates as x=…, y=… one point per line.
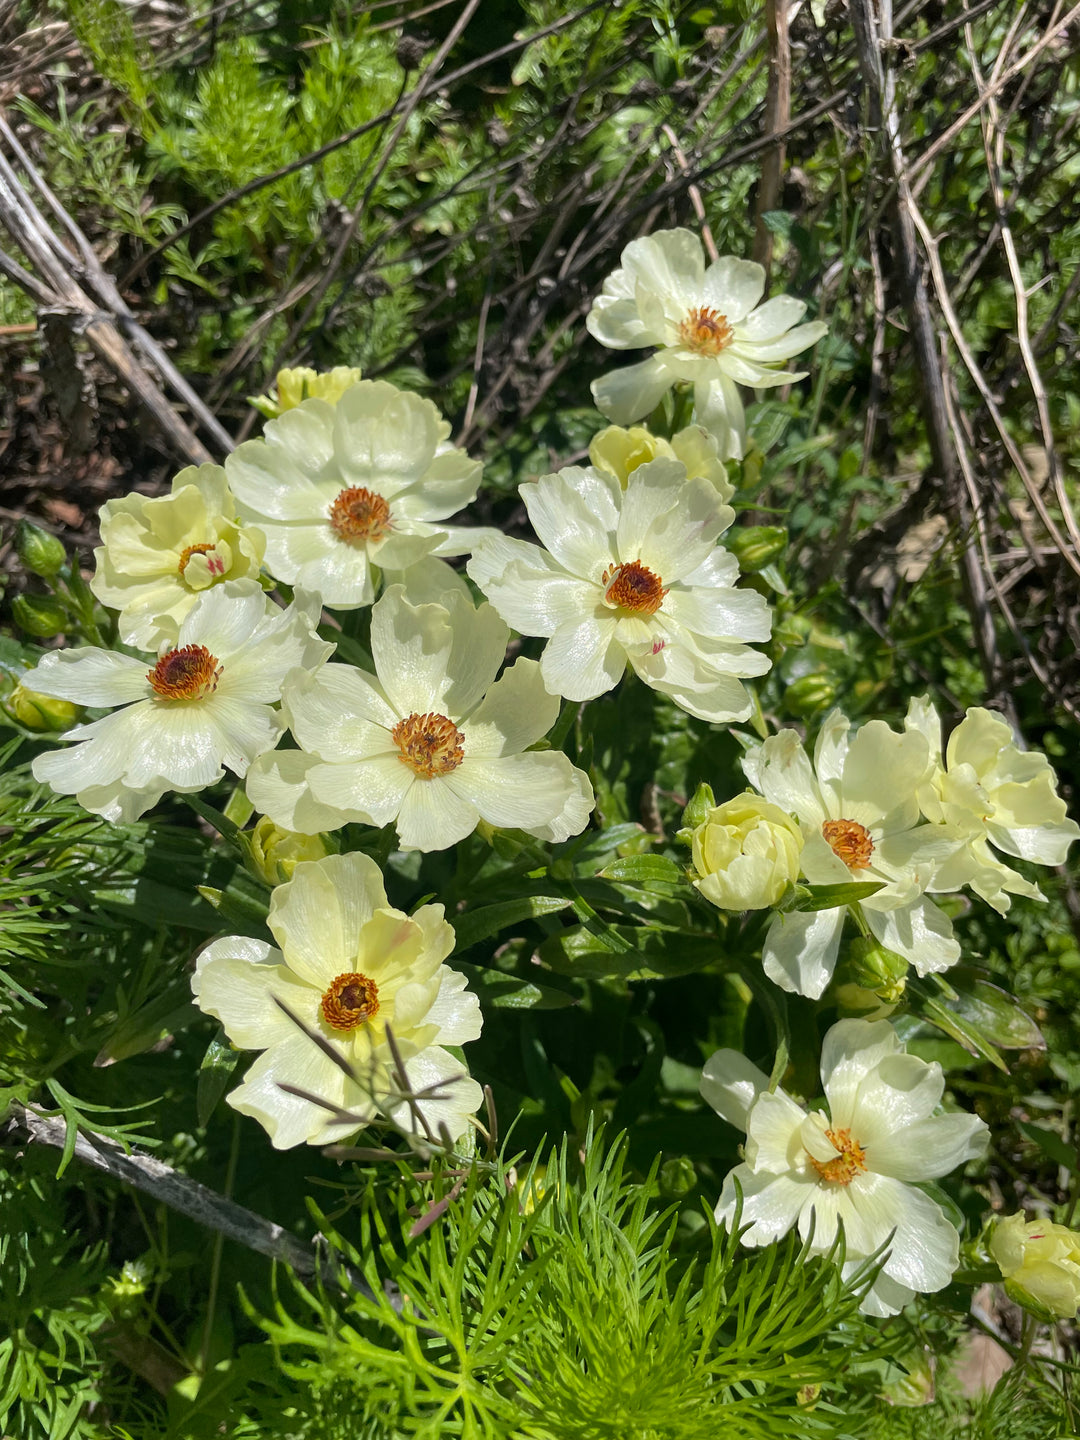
x=1040, y=1264
x=40, y=712
x=39, y=615
x=293, y=387
x=40, y=553
x=702, y=803
x=746, y=853
x=275, y=853
x=877, y=969
x=809, y=694
x=677, y=1177
x=757, y=546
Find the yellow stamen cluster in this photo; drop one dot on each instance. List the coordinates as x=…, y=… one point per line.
x=633, y=587
x=850, y=1162
x=358, y=514
x=430, y=744
x=706, y=331
x=185, y=674
x=849, y=842
x=351, y=1000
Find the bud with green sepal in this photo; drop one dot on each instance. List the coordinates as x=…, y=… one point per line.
x=757, y=546
x=1040, y=1265
x=875, y=968
x=40, y=616
x=809, y=694
x=274, y=853
x=38, y=551
x=40, y=713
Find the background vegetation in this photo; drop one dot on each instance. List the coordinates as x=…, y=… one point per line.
x=435, y=193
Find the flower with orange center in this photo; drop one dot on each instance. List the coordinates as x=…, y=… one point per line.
x=858, y=808
x=158, y=555
x=630, y=575
x=707, y=328
x=207, y=704
x=349, y=490
x=431, y=743
x=347, y=972
x=858, y=1163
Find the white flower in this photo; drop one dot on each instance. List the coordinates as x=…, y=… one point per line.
x=708, y=326
x=205, y=704
x=634, y=576
x=860, y=820
x=345, y=490
x=997, y=794
x=432, y=742
x=157, y=556
x=620, y=452
x=858, y=1163
x=349, y=968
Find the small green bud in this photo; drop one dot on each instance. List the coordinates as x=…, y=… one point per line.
x=275, y=853
x=810, y=694
x=677, y=1177
x=701, y=803
x=41, y=712
x=40, y=553
x=877, y=969
x=39, y=615
x=757, y=546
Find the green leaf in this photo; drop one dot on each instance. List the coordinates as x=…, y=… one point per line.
x=510, y=992
x=645, y=870
x=217, y=1069
x=640, y=954
x=964, y=1032
x=164, y=1015
x=237, y=906
x=1051, y=1144
x=827, y=897
x=476, y=925
x=996, y=1013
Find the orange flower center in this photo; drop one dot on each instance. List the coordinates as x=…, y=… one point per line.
x=360, y=514
x=850, y=842
x=850, y=1162
x=350, y=1001
x=430, y=744
x=186, y=674
x=633, y=587
x=706, y=331
x=216, y=565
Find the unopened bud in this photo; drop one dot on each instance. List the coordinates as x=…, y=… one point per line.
x=275, y=853
x=677, y=1177
x=757, y=546
x=40, y=553
x=875, y=968
x=39, y=615
x=810, y=694
x=702, y=802
x=41, y=712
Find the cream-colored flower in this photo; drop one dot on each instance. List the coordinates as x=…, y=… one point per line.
x=431, y=742
x=996, y=794
x=206, y=704
x=858, y=810
x=709, y=329
x=349, y=968
x=746, y=853
x=158, y=555
x=620, y=452
x=1040, y=1263
x=345, y=491
x=275, y=853
x=859, y=1163
x=630, y=576
x=293, y=387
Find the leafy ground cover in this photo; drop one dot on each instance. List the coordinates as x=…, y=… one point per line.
x=436, y=196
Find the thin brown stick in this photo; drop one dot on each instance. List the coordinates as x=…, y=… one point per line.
x=777, y=118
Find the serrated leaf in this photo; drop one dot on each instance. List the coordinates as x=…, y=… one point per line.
x=476, y=925
x=217, y=1069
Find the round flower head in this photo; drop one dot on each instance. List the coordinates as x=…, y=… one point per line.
x=205, y=704
x=632, y=576
x=348, y=970
x=432, y=742
x=746, y=854
x=709, y=329
x=344, y=491
x=157, y=556
x=858, y=1163
x=858, y=811
x=996, y=794
x=620, y=452
x=1040, y=1264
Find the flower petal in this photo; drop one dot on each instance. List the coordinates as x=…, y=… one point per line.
x=89, y=677
x=583, y=659
x=629, y=394
x=433, y=816
x=316, y=917
x=516, y=712
x=929, y=1149
x=277, y=785
x=730, y=1083
x=801, y=949
x=236, y=980
x=733, y=287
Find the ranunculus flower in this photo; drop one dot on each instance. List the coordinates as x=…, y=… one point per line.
x=634, y=576
x=350, y=968
x=1040, y=1264
x=858, y=1162
x=347, y=490
x=205, y=706
x=709, y=329
x=858, y=810
x=431, y=742
x=997, y=794
x=157, y=556
x=293, y=387
x=620, y=452
x=746, y=853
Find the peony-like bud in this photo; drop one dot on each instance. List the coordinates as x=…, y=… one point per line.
x=746, y=853
x=39, y=615
x=757, y=546
x=275, y=853
x=1040, y=1264
x=40, y=553
x=41, y=712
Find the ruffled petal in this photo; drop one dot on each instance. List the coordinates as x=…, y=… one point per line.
x=730, y=1083
x=316, y=917
x=516, y=712
x=801, y=949
x=583, y=658
x=629, y=394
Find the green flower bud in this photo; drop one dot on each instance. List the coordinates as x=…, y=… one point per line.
x=41, y=712
x=702, y=801
x=809, y=694
x=275, y=853
x=40, y=553
x=877, y=969
x=757, y=546
x=39, y=615
x=677, y=1177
